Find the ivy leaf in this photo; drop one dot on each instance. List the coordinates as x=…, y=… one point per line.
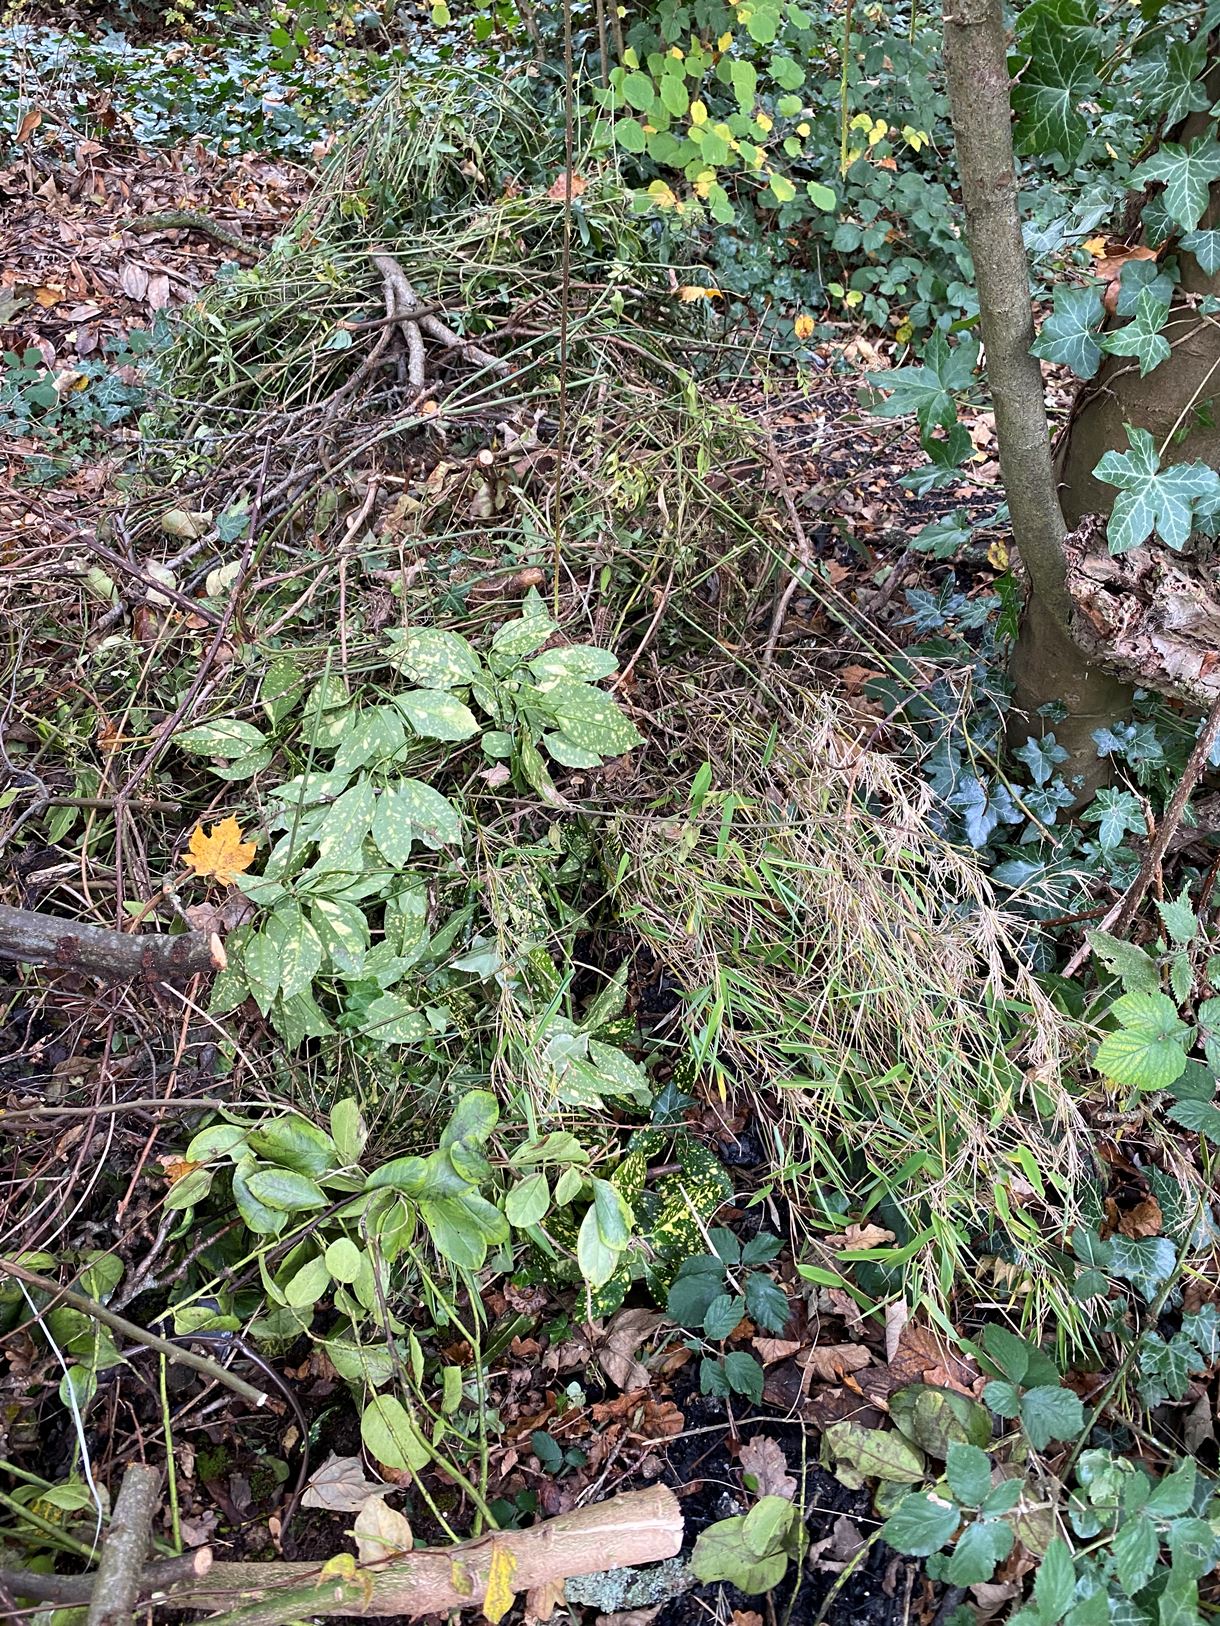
x=1041, y=757
x=1142, y=336
x=1139, y=277
x=1151, y=498
x=1202, y=1327
x=1069, y=333
x=1146, y=1262
x=1148, y=1050
x=1046, y=95
x=921, y=1525
x=943, y=537
x=1188, y=172
x=1173, y=84
x=1205, y=246
x=1116, y=813
x=928, y=391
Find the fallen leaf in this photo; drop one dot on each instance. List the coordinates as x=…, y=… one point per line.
x=831, y=1362
x=339, y=1486
x=380, y=1532
x=624, y=1335
x=187, y=525
x=47, y=296
x=691, y=291
x=746, y=1617
x=861, y=1236
x=220, y=853
x=177, y=1168
x=30, y=120
x=897, y=1315
x=1145, y=1219
x=764, y=1458
x=630, y=1617
x=921, y=1352
x=770, y=1350
x=133, y=280
x=803, y=326
x=558, y=189
x=498, y=1598
x=542, y=1601
x=158, y=291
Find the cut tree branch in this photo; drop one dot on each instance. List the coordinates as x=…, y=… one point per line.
x=77, y=1589
x=639, y=1527
x=38, y=939
x=125, y=1549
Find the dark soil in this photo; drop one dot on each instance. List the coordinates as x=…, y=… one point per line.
x=707, y=1480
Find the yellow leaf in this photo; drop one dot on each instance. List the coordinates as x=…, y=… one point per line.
x=177, y=1168
x=221, y=853
x=803, y=326
x=342, y=1567
x=690, y=292
x=678, y=54
x=662, y=194
x=498, y=1599
x=997, y=555
x=698, y=113
x=1096, y=246
x=704, y=182
x=802, y=129
x=723, y=43
x=764, y=122
x=852, y=297
x=904, y=331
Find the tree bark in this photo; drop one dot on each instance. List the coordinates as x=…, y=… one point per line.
x=639, y=1527
x=39, y=939
x=1048, y=664
x=121, y=1566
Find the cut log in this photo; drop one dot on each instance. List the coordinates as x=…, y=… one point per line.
x=38, y=939
x=639, y=1527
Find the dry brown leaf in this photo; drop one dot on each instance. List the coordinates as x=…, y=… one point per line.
x=339, y=1486
x=558, y=189
x=30, y=120
x=746, y=1617
x=380, y=1532
x=830, y=1363
x=764, y=1458
x=630, y=1617
x=921, y=1352
x=1145, y=1219
x=542, y=1601
x=770, y=1350
x=624, y=1335
x=221, y=853
x=861, y=1236
x=133, y=280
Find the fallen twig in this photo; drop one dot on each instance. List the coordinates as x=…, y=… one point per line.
x=136, y=1335
x=37, y=939
x=117, y=1583
x=639, y=1527
x=77, y=1589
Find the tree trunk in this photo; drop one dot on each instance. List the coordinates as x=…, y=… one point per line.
x=38, y=939
x=1048, y=664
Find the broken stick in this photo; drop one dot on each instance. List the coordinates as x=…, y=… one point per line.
x=639, y=1527
x=37, y=939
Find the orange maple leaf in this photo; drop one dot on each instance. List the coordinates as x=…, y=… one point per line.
x=221, y=853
